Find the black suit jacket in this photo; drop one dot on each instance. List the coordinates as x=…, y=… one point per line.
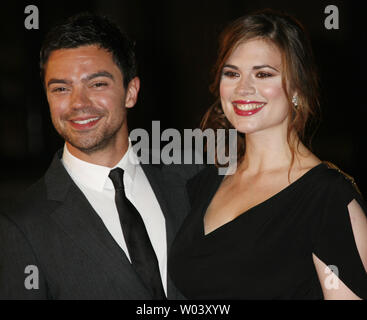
x=53, y=227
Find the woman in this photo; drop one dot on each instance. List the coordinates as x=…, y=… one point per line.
x=285, y=225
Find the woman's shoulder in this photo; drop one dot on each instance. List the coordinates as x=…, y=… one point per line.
x=336, y=173
x=331, y=179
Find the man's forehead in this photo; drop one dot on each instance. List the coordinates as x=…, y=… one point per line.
x=87, y=59
x=87, y=51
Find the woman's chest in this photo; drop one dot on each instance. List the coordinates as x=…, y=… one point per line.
x=233, y=200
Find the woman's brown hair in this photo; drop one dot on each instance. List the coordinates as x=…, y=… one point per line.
x=298, y=74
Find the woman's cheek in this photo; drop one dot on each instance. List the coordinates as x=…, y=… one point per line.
x=222, y=90
x=272, y=91
x=226, y=93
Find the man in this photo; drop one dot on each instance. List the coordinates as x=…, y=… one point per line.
x=80, y=232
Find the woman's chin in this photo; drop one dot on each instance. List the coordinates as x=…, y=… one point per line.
x=245, y=129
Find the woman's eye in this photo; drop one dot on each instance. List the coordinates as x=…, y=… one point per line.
x=231, y=74
x=263, y=75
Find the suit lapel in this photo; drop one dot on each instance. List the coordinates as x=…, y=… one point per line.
x=154, y=174
x=84, y=226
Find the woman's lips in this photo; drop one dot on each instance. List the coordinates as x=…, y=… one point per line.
x=84, y=123
x=247, y=108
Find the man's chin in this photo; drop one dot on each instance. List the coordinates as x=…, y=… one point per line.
x=89, y=143
x=87, y=147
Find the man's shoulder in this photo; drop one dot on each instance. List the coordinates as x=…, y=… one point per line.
x=29, y=204
x=181, y=168
x=185, y=171
x=173, y=173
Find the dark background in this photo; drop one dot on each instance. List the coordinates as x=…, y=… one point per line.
x=176, y=47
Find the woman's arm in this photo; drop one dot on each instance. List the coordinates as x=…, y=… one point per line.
x=333, y=288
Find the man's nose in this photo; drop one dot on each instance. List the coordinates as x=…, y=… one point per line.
x=79, y=98
x=246, y=86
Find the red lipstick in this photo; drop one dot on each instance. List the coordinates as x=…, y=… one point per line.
x=246, y=113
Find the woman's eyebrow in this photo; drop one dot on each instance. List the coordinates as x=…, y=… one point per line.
x=264, y=66
x=230, y=66
x=253, y=68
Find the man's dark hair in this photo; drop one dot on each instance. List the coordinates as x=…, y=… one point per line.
x=90, y=29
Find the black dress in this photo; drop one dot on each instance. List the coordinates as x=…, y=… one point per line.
x=266, y=253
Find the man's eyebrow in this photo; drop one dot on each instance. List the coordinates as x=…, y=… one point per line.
x=100, y=74
x=88, y=78
x=254, y=67
x=54, y=80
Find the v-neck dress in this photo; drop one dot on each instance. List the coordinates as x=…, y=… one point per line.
x=266, y=252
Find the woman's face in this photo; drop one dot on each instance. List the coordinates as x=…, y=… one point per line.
x=251, y=91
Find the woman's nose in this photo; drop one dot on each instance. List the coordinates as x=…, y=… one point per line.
x=246, y=86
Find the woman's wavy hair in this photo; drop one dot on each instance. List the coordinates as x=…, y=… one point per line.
x=298, y=73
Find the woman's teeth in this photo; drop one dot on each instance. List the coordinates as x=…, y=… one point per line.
x=248, y=107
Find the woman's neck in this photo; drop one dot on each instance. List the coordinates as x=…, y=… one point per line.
x=272, y=153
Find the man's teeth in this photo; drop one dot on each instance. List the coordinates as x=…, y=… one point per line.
x=85, y=121
x=248, y=107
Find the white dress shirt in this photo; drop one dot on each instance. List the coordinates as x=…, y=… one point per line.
x=98, y=188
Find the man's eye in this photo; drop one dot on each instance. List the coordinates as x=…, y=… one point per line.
x=263, y=74
x=58, y=89
x=231, y=74
x=99, y=84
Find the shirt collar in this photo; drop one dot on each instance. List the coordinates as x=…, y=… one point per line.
x=96, y=177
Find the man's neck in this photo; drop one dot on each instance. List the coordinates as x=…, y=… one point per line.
x=107, y=157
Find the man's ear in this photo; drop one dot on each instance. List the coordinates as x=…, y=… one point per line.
x=132, y=92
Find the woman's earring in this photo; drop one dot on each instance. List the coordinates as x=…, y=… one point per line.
x=295, y=101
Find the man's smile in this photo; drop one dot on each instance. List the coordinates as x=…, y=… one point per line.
x=84, y=123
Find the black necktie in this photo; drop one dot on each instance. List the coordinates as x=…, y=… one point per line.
x=140, y=248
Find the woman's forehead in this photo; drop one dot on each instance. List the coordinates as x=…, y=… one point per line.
x=256, y=51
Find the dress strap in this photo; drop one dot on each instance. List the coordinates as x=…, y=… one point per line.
x=348, y=177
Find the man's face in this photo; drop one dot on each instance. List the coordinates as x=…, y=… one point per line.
x=87, y=98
